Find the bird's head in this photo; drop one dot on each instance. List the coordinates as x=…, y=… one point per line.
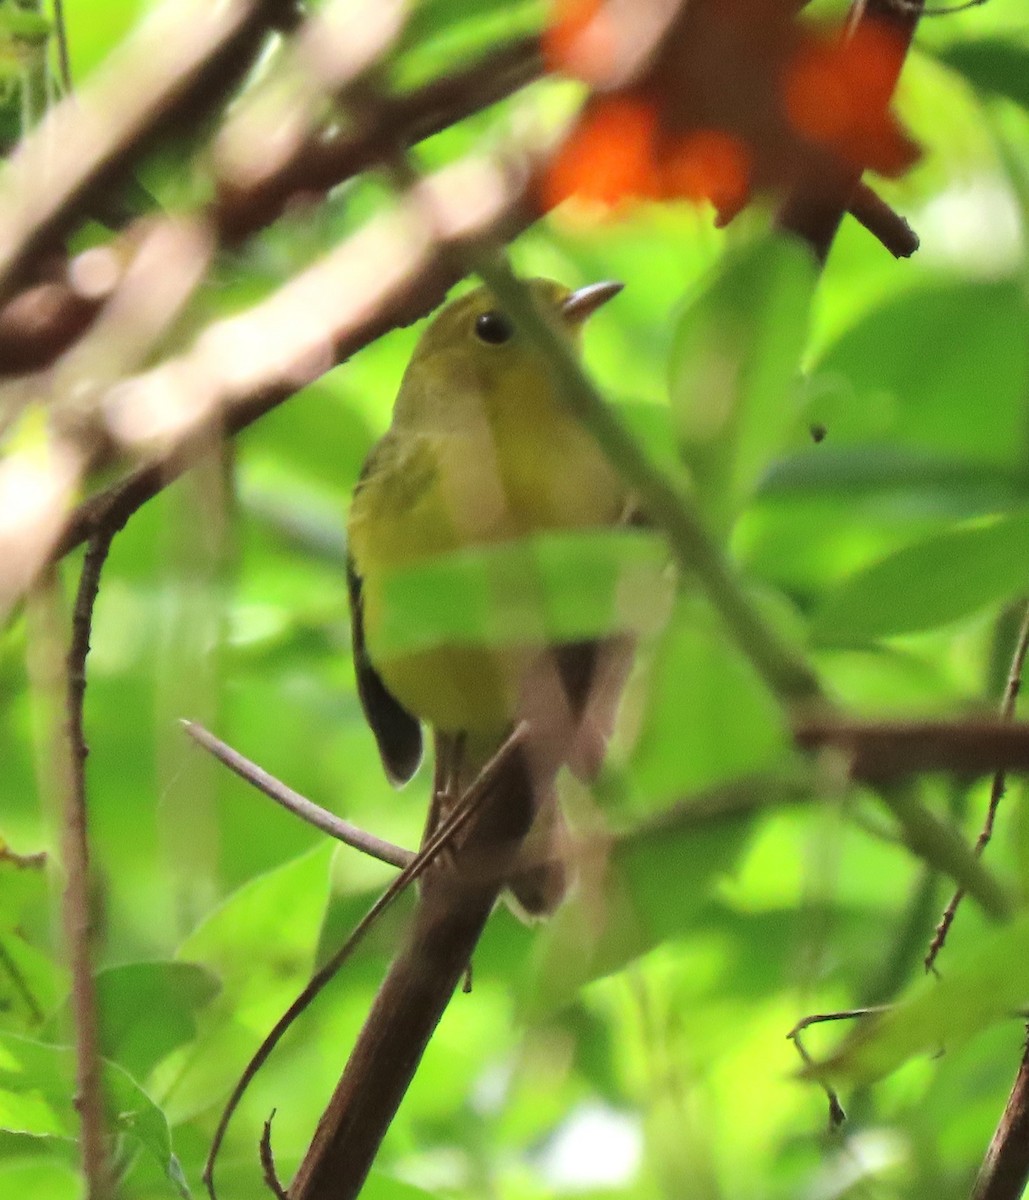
x=472, y=347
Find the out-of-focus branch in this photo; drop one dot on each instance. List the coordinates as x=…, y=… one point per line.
x=456, y=900
x=877, y=752
x=322, y=158
x=173, y=69
x=37, y=483
x=39, y=323
x=238, y=369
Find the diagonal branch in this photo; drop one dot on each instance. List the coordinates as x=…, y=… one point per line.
x=175, y=68
x=300, y=806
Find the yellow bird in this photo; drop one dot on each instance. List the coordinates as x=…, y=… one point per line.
x=481, y=450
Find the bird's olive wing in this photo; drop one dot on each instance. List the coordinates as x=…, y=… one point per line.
x=397, y=732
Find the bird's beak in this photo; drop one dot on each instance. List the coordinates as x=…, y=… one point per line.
x=585, y=302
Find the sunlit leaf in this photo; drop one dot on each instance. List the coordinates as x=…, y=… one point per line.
x=36, y=1098
x=931, y=583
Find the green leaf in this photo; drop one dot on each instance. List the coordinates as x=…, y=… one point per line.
x=734, y=366
x=708, y=715
x=31, y=983
x=147, y=1009
x=895, y=379
x=649, y=887
x=36, y=1098
x=555, y=587
x=992, y=65
x=929, y=584
x=260, y=944
x=40, y=1179
x=983, y=985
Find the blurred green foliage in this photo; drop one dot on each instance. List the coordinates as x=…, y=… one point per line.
x=636, y=1045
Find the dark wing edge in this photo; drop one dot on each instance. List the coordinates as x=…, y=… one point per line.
x=397, y=732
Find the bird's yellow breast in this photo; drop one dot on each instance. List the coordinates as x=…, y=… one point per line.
x=507, y=464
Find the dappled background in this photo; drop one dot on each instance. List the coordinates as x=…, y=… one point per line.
x=875, y=506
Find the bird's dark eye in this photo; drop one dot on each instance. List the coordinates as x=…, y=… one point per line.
x=493, y=327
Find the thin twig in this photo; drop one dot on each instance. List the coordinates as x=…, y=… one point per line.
x=271, y=1176
x=76, y=899
x=837, y=1115
x=322, y=160
x=997, y=789
x=300, y=806
x=473, y=799
x=31, y=862
x=887, y=226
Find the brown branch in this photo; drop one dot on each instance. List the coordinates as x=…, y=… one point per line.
x=455, y=903
x=478, y=795
x=322, y=159
x=882, y=751
x=887, y=226
x=300, y=806
x=39, y=323
x=1005, y=1168
x=76, y=899
x=271, y=1176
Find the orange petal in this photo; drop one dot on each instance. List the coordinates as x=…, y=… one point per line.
x=608, y=157
x=837, y=93
x=708, y=164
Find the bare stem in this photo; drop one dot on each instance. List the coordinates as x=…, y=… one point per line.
x=76, y=900
x=294, y=802
x=997, y=788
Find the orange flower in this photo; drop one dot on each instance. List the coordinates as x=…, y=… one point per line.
x=608, y=156
x=733, y=98
x=837, y=92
